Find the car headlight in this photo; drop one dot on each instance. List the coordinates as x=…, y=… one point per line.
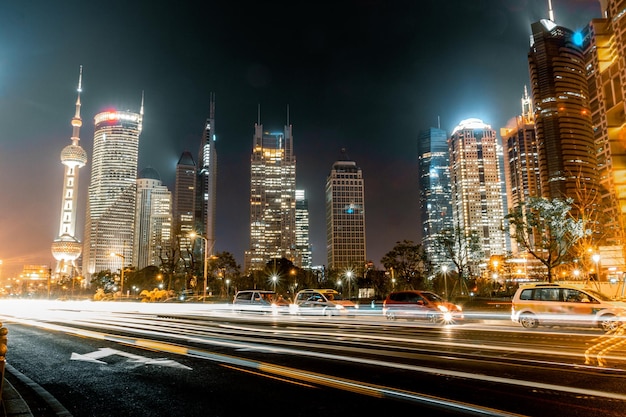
x=443, y=309
x=458, y=307
x=339, y=307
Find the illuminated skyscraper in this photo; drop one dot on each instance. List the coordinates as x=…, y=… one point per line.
x=207, y=180
x=434, y=188
x=345, y=216
x=272, y=198
x=110, y=221
x=565, y=142
x=303, y=246
x=66, y=248
x=184, y=201
x=521, y=161
x=476, y=184
x=605, y=58
x=153, y=219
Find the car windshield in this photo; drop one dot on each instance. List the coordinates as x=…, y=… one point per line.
x=432, y=297
x=331, y=296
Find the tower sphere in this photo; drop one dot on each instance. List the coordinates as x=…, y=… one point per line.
x=74, y=155
x=66, y=248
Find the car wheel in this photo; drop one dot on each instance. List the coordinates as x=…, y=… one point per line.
x=609, y=323
x=529, y=321
x=327, y=312
x=433, y=318
x=391, y=316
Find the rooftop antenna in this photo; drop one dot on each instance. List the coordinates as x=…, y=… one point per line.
x=258, y=117
x=438, y=122
x=141, y=108
x=550, y=10
x=287, y=114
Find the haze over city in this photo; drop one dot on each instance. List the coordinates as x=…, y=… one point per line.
x=362, y=75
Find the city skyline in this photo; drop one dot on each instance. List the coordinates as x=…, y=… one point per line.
x=366, y=77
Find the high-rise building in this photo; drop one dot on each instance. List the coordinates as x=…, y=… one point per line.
x=476, y=184
x=66, y=248
x=434, y=189
x=604, y=48
x=345, y=216
x=153, y=219
x=303, y=246
x=565, y=142
x=521, y=161
x=272, y=198
x=207, y=181
x=110, y=220
x=184, y=207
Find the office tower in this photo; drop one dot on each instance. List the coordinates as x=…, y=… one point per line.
x=435, y=206
x=153, y=219
x=476, y=184
x=521, y=160
x=345, y=216
x=66, y=248
x=605, y=58
x=565, y=142
x=110, y=220
x=184, y=202
x=272, y=197
x=303, y=246
x=207, y=181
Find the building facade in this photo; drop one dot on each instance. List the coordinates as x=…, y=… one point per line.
x=184, y=206
x=565, y=141
x=66, y=248
x=345, y=216
x=476, y=185
x=272, y=198
x=303, y=246
x=110, y=219
x=153, y=219
x=604, y=45
x=435, y=205
x=207, y=181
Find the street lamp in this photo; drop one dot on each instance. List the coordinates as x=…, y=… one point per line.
x=121, y=273
x=206, y=253
x=349, y=279
x=596, y=260
x=274, y=279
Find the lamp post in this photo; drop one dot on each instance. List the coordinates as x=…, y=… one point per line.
x=121, y=273
x=596, y=260
x=349, y=279
x=206, y=253
x=444, y=269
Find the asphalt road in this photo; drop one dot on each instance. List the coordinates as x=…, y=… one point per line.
x=129, y=360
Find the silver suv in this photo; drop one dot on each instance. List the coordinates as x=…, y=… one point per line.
x=565, y=305
x=325, y=302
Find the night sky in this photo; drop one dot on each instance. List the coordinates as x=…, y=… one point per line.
x=364, y=75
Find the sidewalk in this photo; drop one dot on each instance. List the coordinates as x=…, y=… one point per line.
x=13, y=405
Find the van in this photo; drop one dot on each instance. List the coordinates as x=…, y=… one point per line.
x=552, y=304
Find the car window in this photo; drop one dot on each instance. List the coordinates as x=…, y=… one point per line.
x=547, y=294
x=244, y=296
x=432, y=297
x=526, y=294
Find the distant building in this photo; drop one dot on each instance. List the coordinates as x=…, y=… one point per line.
x=110, y=219
x=345, y=216
x=206, y=197
x=476, y=185
x=435, y=206
x=272, y=198
x=303, y=246
x=521, y=160
x=565, y=141
x=153, y=219
x=184, y=205
x=66, y=248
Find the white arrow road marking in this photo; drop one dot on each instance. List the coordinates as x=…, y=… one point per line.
x=95, y=357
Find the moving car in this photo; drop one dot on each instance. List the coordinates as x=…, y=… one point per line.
x=565, y=305
x=259, y=301
x=325, y=302
x=425, y=305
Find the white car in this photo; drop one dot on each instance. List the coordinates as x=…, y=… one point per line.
x=325, y=302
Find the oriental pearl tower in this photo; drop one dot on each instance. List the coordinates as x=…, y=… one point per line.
x=66, y=248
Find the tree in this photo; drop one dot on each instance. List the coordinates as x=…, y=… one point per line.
x=409, y=263
x=223, y=266
x=462, y=248
x=545, y=229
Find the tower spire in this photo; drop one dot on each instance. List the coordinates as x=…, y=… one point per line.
x=550, y=10
x=141, y=107
x=77, y=122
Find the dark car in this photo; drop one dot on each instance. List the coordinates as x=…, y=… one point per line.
x=425, y=305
